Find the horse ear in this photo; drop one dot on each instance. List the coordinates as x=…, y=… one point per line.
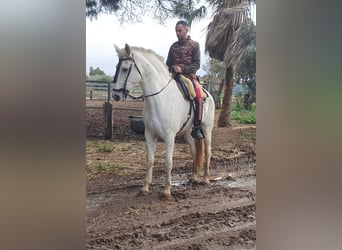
x=127, y=49
x=116, y=48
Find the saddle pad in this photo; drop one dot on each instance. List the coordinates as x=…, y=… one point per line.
x=191, y=88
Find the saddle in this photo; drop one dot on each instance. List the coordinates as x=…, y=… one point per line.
x=186, y=87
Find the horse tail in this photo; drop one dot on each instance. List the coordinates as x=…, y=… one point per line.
x=199, y=155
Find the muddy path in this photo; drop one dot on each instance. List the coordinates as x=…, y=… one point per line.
x=221, y=215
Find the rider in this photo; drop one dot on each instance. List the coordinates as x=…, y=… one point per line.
x=184, y=58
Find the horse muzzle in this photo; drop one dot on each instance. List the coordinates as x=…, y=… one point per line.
x=116, y=97
x=119, y=95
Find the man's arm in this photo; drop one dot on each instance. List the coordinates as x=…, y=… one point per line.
x=169, y=61
x=196, y=61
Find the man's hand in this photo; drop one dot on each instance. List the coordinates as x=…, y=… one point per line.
x=177, y=69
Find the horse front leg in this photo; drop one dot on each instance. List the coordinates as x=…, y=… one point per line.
x=169, y=143
x=151, y=143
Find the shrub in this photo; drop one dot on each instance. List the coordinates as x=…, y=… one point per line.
x=106, y=148
x=106, y=166
x=242, y=115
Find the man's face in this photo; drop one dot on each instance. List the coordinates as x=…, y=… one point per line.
x=181, y=31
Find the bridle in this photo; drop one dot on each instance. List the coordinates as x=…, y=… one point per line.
x=125, y=92
x=123, y=89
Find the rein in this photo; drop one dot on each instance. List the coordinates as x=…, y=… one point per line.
x=145, y=96
x=123, y=89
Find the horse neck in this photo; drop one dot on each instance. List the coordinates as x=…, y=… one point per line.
x=156, y=78
x=154, y=72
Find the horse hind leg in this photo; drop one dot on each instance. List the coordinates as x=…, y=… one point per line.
x=191, y=142
x=196, y=168
x=151, y=148
x=199, y=156
x=207, y=142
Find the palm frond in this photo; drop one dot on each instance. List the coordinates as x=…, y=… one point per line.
x=223, y=41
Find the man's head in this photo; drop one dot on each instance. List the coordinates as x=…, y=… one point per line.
x=182, y=28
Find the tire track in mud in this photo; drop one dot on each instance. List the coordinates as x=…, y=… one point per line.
x=219, y=216
x=202, y=229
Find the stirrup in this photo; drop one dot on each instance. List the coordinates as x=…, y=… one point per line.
x=197, y=133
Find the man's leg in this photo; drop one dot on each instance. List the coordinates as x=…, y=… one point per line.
x=197, y=130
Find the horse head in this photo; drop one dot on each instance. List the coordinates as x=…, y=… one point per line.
x=127, y=73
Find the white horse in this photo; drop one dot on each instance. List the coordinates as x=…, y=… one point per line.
x=166, y=112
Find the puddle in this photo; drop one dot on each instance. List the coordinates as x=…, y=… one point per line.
x=240, y=183
x=180, y=180
x=93, y=202
x=242, y=178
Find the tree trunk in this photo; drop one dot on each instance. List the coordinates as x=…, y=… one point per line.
x=218, y=103
x=224, y=118
x=219, y=92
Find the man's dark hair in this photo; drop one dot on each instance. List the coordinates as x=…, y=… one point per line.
x=183, y=22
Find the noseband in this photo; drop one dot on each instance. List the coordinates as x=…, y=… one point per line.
x=129, y=72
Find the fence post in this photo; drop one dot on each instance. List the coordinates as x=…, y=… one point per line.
x=91, y=94
x=108, y=123
x=108, y=93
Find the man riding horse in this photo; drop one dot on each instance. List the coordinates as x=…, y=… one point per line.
x=184, y=58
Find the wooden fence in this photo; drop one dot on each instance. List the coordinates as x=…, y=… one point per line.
x=98, y=90
x=91, y=86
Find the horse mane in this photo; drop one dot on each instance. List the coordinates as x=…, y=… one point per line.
x=148, y=52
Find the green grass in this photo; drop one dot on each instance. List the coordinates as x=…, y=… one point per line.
x=106, y=166
x=106, y=148
x=98, y=164
x=100, y=146
x=240, y=114
x=245, y=135
x=94, y=170
x=90, y=143
x=91, y=171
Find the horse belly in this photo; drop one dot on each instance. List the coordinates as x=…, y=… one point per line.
x=163, y=128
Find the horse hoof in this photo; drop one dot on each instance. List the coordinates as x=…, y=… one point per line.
x=166, y=195
x=206, y=181
x=143, y=191
x=195, y=180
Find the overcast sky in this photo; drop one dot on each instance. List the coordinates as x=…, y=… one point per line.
x=103, y=33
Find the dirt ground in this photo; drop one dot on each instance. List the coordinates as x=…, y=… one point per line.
x=221, y=215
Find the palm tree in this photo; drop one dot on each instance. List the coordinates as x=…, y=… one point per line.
x=223, y=38
x=188, y=11
x=224, y=44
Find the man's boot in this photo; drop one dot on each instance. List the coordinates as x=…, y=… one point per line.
x=197, y=130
